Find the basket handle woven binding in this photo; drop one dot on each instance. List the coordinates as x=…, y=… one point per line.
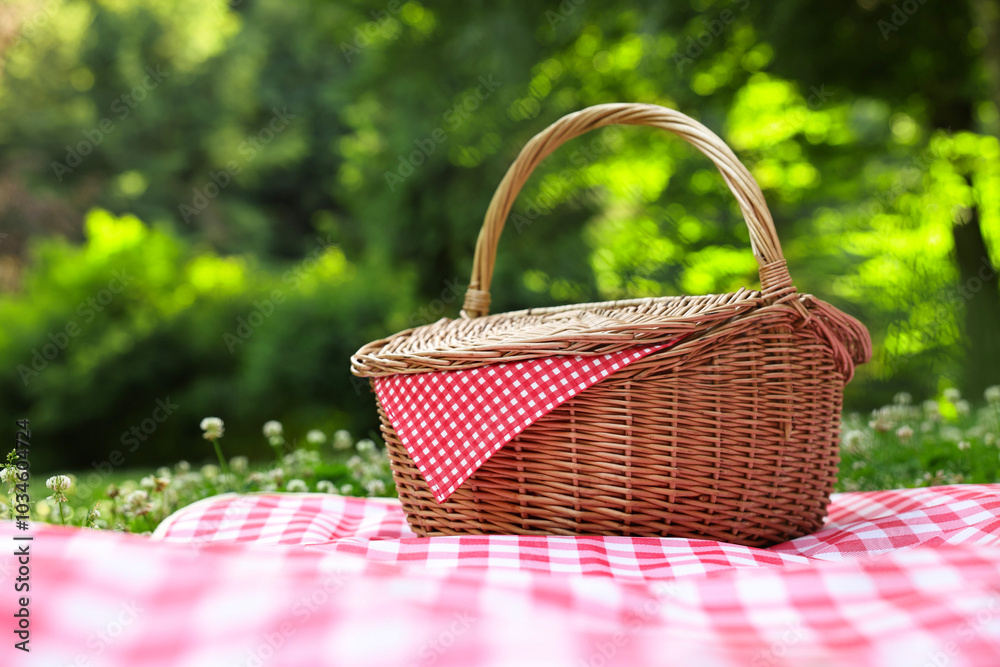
x=776, y=283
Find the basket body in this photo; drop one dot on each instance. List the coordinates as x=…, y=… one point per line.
x=729, y=431
x=737, y=442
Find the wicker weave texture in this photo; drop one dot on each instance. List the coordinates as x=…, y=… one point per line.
x=738, y=442
x=731, y=434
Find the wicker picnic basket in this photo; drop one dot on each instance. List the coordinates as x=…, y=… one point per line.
x=730, y=434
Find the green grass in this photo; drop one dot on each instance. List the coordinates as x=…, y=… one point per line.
x=39, y=491
x=138, y=499
x=937, y=442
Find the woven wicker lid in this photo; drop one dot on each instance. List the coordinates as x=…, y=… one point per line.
x=477, y=339
x=586, y=329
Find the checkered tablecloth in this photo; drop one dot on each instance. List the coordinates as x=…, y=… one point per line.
x=908, y=578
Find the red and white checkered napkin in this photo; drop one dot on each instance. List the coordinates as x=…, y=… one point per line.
x=452, y=422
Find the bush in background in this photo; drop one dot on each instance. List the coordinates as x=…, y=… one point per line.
x=123, y=343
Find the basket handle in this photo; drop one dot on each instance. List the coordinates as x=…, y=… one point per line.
x=774, y=278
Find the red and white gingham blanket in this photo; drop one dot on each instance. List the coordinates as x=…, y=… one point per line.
x=895, y=578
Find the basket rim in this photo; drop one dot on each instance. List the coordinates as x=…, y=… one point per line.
x=585, y=329
x=596, y=328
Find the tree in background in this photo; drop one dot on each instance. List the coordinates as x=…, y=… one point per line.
x=934, y=71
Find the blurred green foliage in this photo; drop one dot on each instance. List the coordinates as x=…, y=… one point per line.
x=133, y=363
x=357, y=144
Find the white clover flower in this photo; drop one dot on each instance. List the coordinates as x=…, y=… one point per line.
x=989, y=439
x=902, y=398
x=904, y=432
x=257, y=478
x=297, y=486
x=346, y=489
x=858, y=465
x=992, y=394
x=277, y=475
x=6, y=474
x=183, y=466
x=325, y=486
x=315, y=437
x=365, y=446
x=213, y=428
x=342, y=439
x=58, y=483
x=962, y=407
x=147, y=482
x=964, y=444
x=375, y=487
x=137, y=496
x=273, y=429
x=852, y=439
x=354, y=464
x=304, y=457
x=210, y=471
x=136, y=503
x=952, y=394
x=112, y=491
x=225, y=480
x=881, y=420
x=239, y=464
x=211, y=423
